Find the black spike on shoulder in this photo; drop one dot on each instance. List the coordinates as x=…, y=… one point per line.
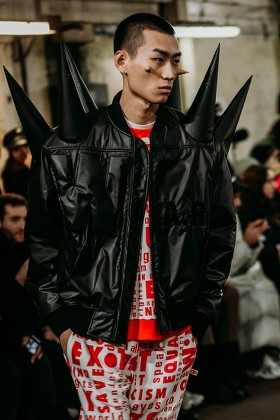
x=36, y=129
x=199, y=119
x=85, y=97
x=74, y=125
x=174, y=99
x=226, y=124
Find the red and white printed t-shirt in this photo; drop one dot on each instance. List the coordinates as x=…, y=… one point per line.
x=143, y=321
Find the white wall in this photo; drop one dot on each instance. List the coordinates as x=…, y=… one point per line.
x=36, y=82
x=240, y=58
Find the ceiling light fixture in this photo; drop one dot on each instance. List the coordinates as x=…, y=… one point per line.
x=202, y=31
x=25, y=28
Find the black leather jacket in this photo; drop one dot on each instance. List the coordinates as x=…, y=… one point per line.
x=87, y=203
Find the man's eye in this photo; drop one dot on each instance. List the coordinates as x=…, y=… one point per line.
x=158, y=59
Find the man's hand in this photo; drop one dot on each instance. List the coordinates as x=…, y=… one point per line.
x=39, y=353
x=21, y=274
x=64, y=337
x=49, y=334
x=254, y=230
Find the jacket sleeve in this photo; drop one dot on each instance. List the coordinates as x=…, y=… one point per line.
x=219, y=249
x=43, y=233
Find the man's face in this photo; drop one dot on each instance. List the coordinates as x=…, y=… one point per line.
x=268, y=188
x=20, y=153
x=237, y=201
x=13, y=223
x=151, y=73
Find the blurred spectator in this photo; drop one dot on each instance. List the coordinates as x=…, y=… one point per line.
x=19, y=324
x=15, y=175
x=274, y=131
x=266, y=152
x=259, y=202
x=241, y=165
x=50, y=393
x=221, y=375
x=259, y=310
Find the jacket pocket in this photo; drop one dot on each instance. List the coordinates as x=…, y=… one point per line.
x=68, y=256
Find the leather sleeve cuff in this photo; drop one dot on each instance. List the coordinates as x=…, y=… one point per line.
x=58, y=321
x=199, y=324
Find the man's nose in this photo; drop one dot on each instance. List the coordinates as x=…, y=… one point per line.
x=21, y=224
x=168, y=72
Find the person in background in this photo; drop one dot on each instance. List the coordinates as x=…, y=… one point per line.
x=259, y=310
x=32, y=392
x=16, y=171
x=259, y=202
x=131, y=226
x=50, y=392
x=222, y=376
x=274, y=130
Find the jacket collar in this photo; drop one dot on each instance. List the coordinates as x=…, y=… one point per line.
x=118, y=119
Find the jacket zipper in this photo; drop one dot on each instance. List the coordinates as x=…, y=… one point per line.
x=151, y=228
x=128, y=225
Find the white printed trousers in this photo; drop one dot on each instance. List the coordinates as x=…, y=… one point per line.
x=138, y=380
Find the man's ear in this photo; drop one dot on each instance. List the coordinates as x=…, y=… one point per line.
x=120, y=61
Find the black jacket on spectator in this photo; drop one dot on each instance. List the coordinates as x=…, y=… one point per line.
x=19, y=316
x=16, y=177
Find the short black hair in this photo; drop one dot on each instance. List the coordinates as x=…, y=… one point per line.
x=13, y=199
x=129, y=32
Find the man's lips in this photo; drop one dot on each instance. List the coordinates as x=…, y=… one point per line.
x=165, y=89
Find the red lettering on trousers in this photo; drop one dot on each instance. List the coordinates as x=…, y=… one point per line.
x=190, y=357
x=167, y=379
x=170, y=367
x=102, y=397
x=94, y=353
x=88, y=397
x=99, y=384
x=183, y=384
x=135, y=416
x=110, y=360
x=151, y=416
x=161, y=393
x=97, y=372
x=144, y=356
x=133, y=363
x=104, y=409
x=76, y=352
x=171, y=354
x=149, y=394
x=173, y=342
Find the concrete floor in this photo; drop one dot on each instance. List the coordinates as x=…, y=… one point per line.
x=262, y=404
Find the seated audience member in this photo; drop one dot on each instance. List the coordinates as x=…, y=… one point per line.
x=274, y=131
x=18, y=325
x=221, y=375
x=241, y=165
x=15, y=174
x=45, y=370
x=266, y=152
x=259, y=311
x=259, y=202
